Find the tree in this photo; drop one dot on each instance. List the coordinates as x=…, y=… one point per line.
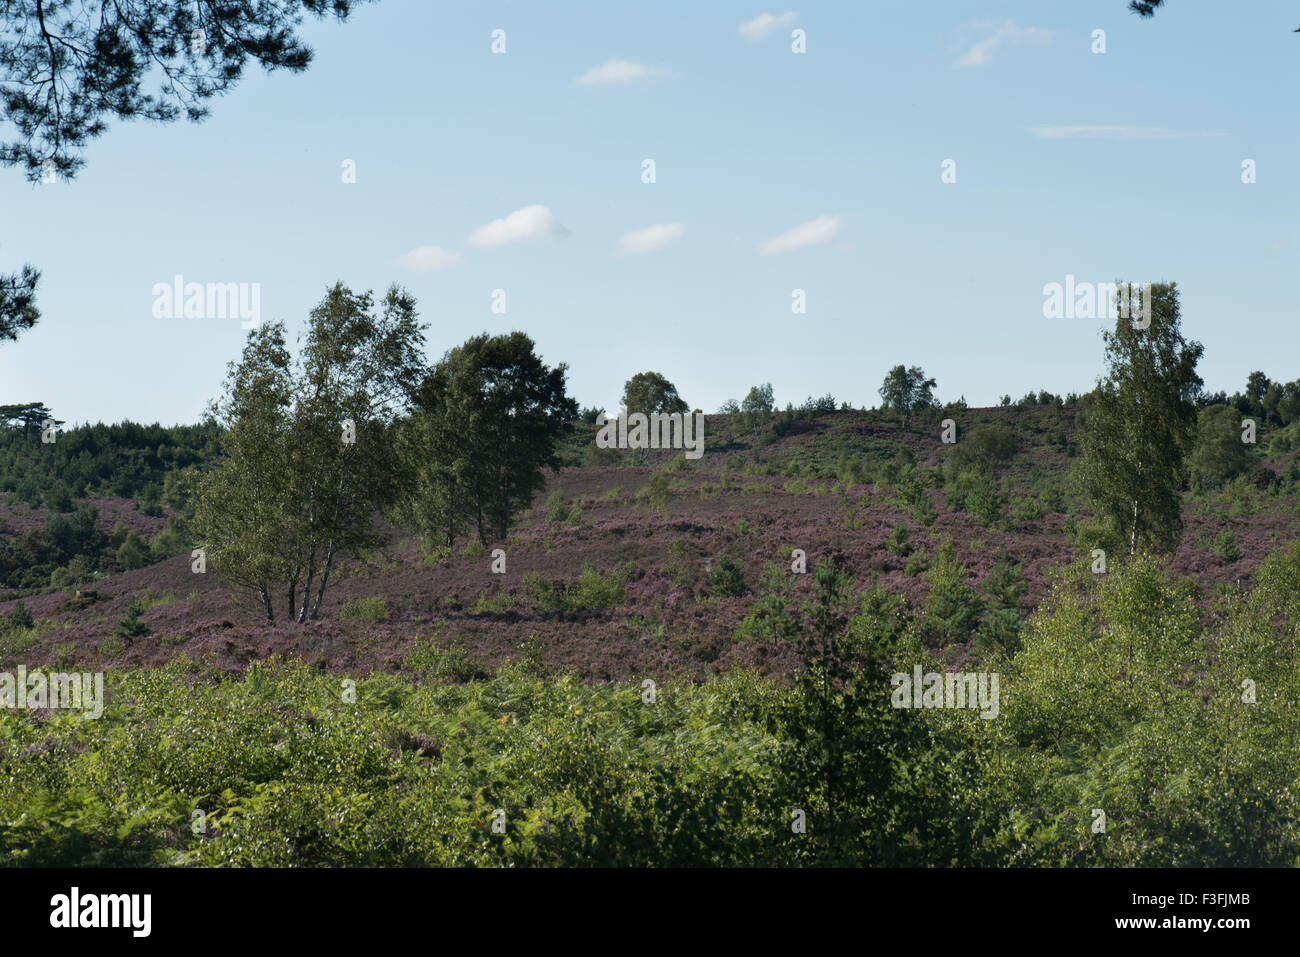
x=310, y=450
x=1140, y=424
x=27, y=417
x=18, y=311
x=68, y=66
x=759, y=400
x=905, y=390
x=1147, y=8
x=488, y=418
x=241, y=520
x=648, y=392
x=954, y=608
x=1219, y=453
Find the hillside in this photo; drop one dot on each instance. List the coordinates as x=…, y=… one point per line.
x=656, y=536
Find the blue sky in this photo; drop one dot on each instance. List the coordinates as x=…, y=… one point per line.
x=1123, y=164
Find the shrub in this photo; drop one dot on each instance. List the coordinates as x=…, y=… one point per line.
x=18, y=619
x=954, y=607
x=914, y=498
x=657, y=491
x=133, y=552
x=916, y=564
x=727, y=579
x=898, y=542
x=129, y=627
x=369, y=609
x=557, y=507
x=1028, y=510
x=983, y=501
x=1225, y=546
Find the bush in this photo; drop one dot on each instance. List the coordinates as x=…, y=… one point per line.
x=557, y=507
x=914, y=498
x=916, y=564
x=898, y=542
x=1225, y=547
x=1029, y=510
x=133, y=552
x=18, y=619
x=1219, y=454
x=657, y=491
x=954, y=608
x=368, y=609
x=983, y=501
x=727, y=579
x=129, y=627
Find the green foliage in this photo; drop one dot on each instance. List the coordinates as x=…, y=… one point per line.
x=914, y=498
x=984, y=449
x=489, y=418
x=953, y=608
x=899, y=542
x=727, y=578
x=558, y=507
x=1140, y=424
x=1219, y=454
x=129, y=626
x=312, y=455
x=1028, y=510
x=366, y=609
x=983, y=500
x=1000, y=626
x=772, y=618
x=906, y=391
x=1124, y=695
x=17, y=618
x=657, y=491
x=648, y=392
x=1225, y=546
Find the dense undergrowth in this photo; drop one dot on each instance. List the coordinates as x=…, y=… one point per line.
x=1125, y=699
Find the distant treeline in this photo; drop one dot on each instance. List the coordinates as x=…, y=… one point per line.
x=126, y=460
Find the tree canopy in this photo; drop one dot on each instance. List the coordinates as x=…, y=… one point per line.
x=68, y=67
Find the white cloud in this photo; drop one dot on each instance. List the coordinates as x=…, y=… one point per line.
x=812, y=233
x=981, y=53
x=649, y=239
x=617, y=71
x=430, y=259
x=531, y=222
x=764, y=24
x=1120, y=133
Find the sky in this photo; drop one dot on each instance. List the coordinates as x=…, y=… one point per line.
x=775, y=171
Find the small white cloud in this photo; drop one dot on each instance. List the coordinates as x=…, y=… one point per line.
x=649, y=239
x=812, y=233
x=617, y=71
x=981, y=53
x=1120, y=133
x=1277, y=245
x=764, y=24
x=430, y=259
x=531, y=222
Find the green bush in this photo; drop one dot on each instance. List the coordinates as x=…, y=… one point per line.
x=129, y=626
x=898, y=542
x=1225, y=546
x=727, y=579
x=368, y=609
